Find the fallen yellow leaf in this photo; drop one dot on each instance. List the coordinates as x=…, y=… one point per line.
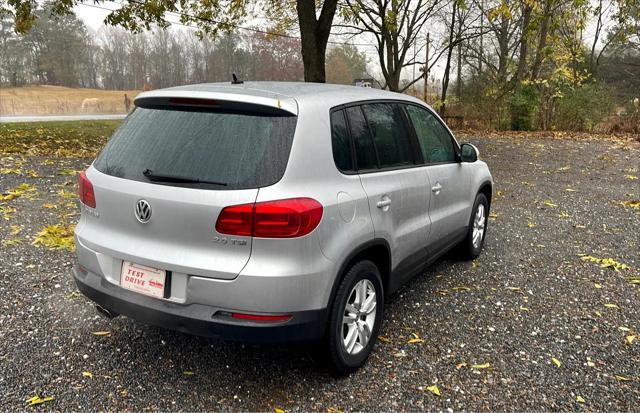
x=415, y=339
x=631, y=338
x=35, y=400
x=635, y=204
x=580, y=399
x=457, y=289
x=481, y=366
x=101, y=333
x=556, y=362
x=384, y=339
x=597, y=285
x=87, y=374
x=188, y=373
x=609, y=305
x=278, y=410
x=434, y=389
x=622, y=378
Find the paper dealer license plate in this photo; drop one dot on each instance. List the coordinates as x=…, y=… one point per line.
x=142, y=279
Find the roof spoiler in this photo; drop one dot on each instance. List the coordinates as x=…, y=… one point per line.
x=217, y=101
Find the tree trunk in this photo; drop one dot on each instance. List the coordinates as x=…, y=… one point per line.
x=447, y=69
x=503, y=46
x=524, y=49
x=542, y=43
x=517, y=109
x=314, y=34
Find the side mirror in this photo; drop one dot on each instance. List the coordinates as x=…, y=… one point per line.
x=469, y=153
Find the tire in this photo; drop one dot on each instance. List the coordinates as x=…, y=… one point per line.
x=342, y=359
x=469, y=249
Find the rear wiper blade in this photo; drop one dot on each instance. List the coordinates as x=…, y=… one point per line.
x=158, y=177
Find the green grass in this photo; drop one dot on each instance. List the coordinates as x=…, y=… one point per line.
x=69, y=139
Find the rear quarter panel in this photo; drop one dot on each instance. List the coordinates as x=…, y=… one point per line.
x=311, y=172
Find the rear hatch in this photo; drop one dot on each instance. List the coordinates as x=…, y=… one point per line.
x=187, y=158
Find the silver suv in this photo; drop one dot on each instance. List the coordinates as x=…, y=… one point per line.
x=274, y=212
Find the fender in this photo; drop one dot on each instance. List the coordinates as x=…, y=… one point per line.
x=345, y=263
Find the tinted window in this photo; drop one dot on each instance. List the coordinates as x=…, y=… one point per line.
x=435, y=140
x=340, y=141
x=389, y=133
x=241, y=150
x=365, y=154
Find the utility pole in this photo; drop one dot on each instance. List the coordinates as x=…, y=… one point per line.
x=459, y=72
x=481, y=35
x=414, y=68
x=426, y=70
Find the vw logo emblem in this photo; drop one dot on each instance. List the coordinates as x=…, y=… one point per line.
x=143, y=211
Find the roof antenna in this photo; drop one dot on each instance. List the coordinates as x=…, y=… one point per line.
x=235, y=80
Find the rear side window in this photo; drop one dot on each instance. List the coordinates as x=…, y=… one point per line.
x=239, y=150
x=365, y=152
x=390, y=135
x=435, y=141
x=340, y=141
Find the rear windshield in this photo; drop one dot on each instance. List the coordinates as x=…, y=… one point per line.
x=204, y=149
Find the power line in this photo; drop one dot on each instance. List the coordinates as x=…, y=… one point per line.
x=235, y=26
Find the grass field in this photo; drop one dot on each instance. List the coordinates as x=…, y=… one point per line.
x=58, y=100
x=77, y=139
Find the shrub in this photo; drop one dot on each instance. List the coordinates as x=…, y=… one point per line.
x=582, y=108
x=524, y=107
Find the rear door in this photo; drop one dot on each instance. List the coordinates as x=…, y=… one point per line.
x=449, y=206
x=197, y=161
x=388, y=164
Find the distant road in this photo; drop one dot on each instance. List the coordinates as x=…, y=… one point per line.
x=58, y=118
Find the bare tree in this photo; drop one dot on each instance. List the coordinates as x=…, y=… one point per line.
x=396, y=25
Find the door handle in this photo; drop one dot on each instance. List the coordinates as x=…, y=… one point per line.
x=384, y=203
x=436, y=188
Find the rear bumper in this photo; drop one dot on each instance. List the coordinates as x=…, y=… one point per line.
x=198, y=319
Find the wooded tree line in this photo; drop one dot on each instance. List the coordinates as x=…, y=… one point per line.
x=521, y=64
x=63, y=51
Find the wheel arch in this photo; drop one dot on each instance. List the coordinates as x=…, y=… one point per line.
x=486, y=188
x=377, y=251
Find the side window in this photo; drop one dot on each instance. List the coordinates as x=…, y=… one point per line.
x=390, y=136
x=435, y=140
x=365, y=153
x=340, y=141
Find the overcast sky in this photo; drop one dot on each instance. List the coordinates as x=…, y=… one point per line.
x=94, y=15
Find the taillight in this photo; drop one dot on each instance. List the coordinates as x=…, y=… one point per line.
x=85, y=190
x=286, y=218
x=236, y=220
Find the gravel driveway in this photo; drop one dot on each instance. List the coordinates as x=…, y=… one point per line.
x=530, y=325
